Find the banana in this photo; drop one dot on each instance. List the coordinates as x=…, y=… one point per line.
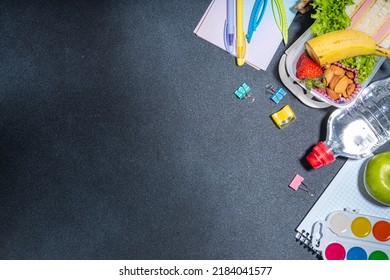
x=338, y=45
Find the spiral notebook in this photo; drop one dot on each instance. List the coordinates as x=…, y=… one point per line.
x=346, y=191
x=265, y=40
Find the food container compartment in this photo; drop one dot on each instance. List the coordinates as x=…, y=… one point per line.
x=287, y=70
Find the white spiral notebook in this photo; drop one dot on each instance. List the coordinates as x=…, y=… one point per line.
x=346, y=191
x=265, y=40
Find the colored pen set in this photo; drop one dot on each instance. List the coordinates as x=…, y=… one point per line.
x=234, y=34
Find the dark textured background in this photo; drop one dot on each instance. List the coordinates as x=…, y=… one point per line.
x=121, y=138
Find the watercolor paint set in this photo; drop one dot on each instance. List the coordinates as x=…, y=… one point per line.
x=349, y=235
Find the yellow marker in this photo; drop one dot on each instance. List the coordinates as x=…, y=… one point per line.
x=284, y=117
x=241, y=44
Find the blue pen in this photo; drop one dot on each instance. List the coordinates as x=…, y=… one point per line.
x=229, y=27
x=256, y=17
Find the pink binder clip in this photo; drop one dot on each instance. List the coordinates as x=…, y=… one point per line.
x=298, y=182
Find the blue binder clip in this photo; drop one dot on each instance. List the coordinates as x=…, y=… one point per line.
x=277, y=93
x=256, y=17
x=242, y=91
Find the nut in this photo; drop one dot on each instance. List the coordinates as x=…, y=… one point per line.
x=350, y=89
x=350, y=74
x=332, y=94
x=333, y=82
x=342, y=84
x=328, y=75
x=337, y=70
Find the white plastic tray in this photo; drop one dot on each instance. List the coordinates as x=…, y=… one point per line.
x=314, y=99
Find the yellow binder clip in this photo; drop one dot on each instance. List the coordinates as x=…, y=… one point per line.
x=284, y=117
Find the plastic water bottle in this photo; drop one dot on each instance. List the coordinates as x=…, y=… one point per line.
x=357, y=131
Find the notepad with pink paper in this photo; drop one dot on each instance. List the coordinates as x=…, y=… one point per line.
x=346, y=191
x=265, y=40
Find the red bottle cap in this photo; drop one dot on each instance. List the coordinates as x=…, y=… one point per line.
x=321, y=155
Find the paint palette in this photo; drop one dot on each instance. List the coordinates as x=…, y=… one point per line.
x=347, y=235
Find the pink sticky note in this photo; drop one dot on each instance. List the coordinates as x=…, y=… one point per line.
x=296, y=182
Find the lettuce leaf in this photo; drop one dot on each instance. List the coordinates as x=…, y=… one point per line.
x=363, y=63
x=329, y=16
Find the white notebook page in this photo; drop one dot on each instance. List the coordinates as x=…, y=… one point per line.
x=346, y=191
x=265, y=40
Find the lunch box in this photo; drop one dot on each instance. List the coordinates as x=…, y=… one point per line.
x=314, y=99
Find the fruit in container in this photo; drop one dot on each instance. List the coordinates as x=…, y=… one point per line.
x=306, y=68
x=335, y=81
x=335, y=46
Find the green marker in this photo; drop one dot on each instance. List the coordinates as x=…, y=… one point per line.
x=280, y=18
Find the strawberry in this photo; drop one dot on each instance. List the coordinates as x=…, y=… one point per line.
x=307, y=68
